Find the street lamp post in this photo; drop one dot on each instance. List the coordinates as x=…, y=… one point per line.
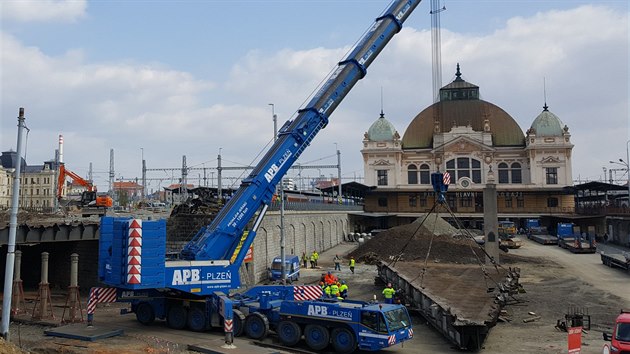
x=283, y=273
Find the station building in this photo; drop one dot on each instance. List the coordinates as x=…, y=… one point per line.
x=472, y=139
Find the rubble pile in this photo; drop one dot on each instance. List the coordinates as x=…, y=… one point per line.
x=442, y=242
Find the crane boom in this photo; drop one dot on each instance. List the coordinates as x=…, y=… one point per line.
x=193, y=291
x=220, y=239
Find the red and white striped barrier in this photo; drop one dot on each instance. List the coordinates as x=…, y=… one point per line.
x=307, y=292
x=98, y=295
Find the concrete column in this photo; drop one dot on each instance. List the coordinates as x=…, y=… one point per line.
x=44, y=277
x=74, y=270
x=43, y=305
x=490, y=219
x=17, y=273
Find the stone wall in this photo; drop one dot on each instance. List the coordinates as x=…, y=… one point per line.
x=304, y=232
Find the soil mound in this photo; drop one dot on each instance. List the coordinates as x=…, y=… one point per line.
x=435, y=240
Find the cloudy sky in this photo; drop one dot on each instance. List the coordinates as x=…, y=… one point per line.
x=163, y=79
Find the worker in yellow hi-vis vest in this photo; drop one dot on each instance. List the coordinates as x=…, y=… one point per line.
x=388, y=293
x=351, y=264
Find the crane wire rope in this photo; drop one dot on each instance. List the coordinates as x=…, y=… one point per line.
x=426, y=258
x=467, y=233
x=402, y=250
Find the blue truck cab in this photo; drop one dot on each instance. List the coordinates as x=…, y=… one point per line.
x=292, y=266
x=348, y=325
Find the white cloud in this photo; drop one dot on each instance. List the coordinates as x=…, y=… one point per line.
x=43, y=10
x=583, y=53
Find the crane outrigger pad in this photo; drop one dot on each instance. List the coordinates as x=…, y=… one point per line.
x=82, y=332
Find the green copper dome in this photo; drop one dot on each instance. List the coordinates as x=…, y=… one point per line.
x=547, y=124
x=381, y=130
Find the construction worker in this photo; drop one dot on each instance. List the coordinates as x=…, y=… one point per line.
x=304, y=260
x=343, y=289
x=313, y=260
x=337, y=261
x=334, y=289
x=351, y=264
x=327, y=291
x=330, y=278
x=323, y=287
x=316, y=256
x=388, y=294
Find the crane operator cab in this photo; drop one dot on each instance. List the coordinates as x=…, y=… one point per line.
x=380, y=329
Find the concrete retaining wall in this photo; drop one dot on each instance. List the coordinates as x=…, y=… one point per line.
x=304, y=232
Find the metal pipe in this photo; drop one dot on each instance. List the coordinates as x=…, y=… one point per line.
x=8, y=277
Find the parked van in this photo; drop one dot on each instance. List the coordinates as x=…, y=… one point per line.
x=292, y=263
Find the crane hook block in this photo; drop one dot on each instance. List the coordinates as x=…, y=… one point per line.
x=440, y=182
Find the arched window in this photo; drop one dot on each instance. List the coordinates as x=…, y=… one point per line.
x=504, y=173
x=425, y=175
x=516, y=173
x=412, y=174
x=464, y=167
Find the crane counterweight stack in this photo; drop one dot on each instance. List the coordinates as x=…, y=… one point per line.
x=193, y=290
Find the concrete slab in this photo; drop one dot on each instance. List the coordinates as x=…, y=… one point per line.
x=82, y=332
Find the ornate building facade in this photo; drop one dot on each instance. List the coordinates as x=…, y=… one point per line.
x=469, y=138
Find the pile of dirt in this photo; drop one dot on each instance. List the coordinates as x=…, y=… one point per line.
x=9, y=348
x=434, y=240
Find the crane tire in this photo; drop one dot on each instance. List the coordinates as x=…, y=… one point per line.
x=343, y=340
x=197, y=319
x=239, y=322
x=256, y=325
x=177, y=317
x=145, y=313
x=289, y=333
x=316, y=336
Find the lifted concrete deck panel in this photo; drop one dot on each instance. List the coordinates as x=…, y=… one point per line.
x=454, y=298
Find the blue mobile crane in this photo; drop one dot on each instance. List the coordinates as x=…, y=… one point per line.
x=193, y=290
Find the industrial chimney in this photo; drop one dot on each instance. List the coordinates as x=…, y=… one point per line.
x=60, y=148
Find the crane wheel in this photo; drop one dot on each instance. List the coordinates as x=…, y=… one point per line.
x=316, y=336
x=177, y=317
x=289, y=333
x=197, y=319
x=144, y=313
x=239, y=322
x=256, y=325
x=343, y=340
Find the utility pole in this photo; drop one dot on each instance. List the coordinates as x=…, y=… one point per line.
x=8, y=271
x=340, y=196
x=283, y=272
x=183, y=187
x=144, y=175
x=219, y=187
x=111, y=191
